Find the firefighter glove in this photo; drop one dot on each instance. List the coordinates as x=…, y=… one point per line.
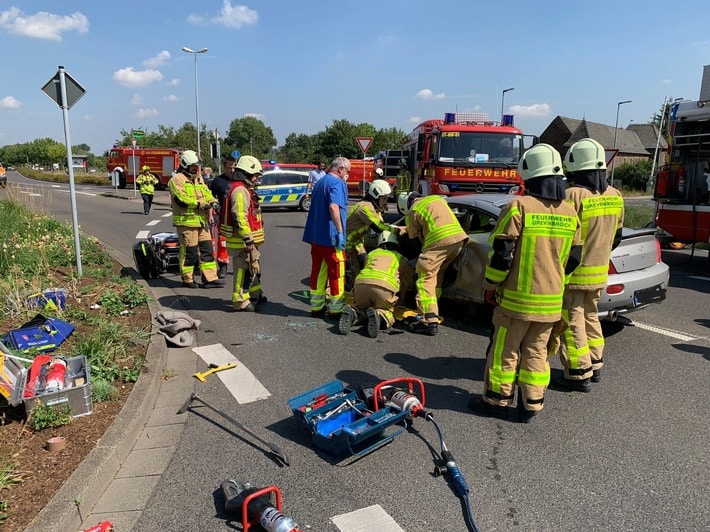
x=491, y=298
x=216, y=206
x=340, y=241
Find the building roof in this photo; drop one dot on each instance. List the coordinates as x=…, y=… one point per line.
x=648, y=135
x=627, y=141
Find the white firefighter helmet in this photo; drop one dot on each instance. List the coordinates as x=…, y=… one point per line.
x=540, y=161
x=379, y=188
x=249, y=165
x=188, y=158
x=386, y=237
x=585, y=154
x=405, y=200
x=379, y=172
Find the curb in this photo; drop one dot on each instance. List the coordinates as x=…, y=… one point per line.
x=77, y=497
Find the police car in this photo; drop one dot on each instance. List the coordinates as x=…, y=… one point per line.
x=284, y=188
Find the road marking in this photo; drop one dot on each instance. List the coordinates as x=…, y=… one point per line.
x=370, y=519
x=240, y=382
x=153, y=222
x=141, y=235
x=666, y=332
x=167, y=214
x=699, y=278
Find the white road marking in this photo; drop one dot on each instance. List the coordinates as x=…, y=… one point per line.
x=666, y=332
x=153, y=222
x=240, y=382
x=142, y=235
x=167, y=214
x=370, y=519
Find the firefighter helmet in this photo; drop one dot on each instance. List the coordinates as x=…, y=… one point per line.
x=379, y=188
x=188, y=158
x=405, y=200
x=145, y=168
x=379, y=172
x=585, y=154
x=540, y=161
x=249, y=165
x=385, y=238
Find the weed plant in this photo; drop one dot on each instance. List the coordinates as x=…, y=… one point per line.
x=48, y=417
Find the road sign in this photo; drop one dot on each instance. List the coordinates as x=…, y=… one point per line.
x=236, y=154
x=610, y=153
x=137, y=134
x=364, y=143
x=53, y=89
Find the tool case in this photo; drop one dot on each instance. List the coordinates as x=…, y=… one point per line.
x=340, y=422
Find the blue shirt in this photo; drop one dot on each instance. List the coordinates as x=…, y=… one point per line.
x=315, y=176
x=320, y=229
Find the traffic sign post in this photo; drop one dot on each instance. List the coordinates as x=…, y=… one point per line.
x=138, y=134
x=364, y=143
x=609, y=154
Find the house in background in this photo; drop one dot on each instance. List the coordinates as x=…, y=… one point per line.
x=651, y=139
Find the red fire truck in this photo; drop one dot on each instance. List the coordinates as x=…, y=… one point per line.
x=682, y=184
x=124, y=163
x=465, y=153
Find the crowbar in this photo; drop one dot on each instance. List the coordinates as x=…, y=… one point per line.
x=214, y=368
x=275, y=448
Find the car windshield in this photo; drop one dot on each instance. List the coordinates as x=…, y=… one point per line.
x=479, y=148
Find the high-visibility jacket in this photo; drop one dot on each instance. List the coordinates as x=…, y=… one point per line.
x=241, y=222
x=543, y=233
x=601, y=215
x=147, y=183
x=359, y=219
x=432, y=221
x=382, y=269
x=189, y=195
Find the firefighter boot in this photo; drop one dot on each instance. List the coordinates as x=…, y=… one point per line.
x=347, y=319
x=482, y=408
x=584, y=385
x=373, y=322
x=222, y=270
x=597, y=375
x=419, y=327
x=524, y=415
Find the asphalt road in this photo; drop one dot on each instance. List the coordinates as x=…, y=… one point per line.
x=628, y=456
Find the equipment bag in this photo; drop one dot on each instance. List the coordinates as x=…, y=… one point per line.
x=144, y=259
x=39, y=334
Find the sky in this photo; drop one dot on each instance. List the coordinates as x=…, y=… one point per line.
x=299, y=65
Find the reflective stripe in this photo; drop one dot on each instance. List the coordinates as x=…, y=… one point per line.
x=534, y=378
x=496, y=375
x=435, y=232
x=281, y=193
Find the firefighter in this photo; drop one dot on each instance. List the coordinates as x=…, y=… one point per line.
x=219, y=187
x=600, y=209
x=431, y=220
x=532, y=243
x=378, y=174
x=242, y=225
x=377, y=288
x=191, y=202
x=404, y=178
x=147, y=181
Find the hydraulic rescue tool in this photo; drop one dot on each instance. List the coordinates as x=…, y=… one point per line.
x=392, y=393
x=255, y=509
x=214, y=368
x=275, y=448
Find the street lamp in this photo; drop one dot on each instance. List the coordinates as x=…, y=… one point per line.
x=502, y=102
x=616, y=130
x=197, y=106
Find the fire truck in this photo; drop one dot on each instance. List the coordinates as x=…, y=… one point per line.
x=682, y=183
x=465, y=153
x=125, y=163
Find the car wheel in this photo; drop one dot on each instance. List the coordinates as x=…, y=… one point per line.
x=305, y=203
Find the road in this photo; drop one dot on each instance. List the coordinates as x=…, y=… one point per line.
x=628, y=456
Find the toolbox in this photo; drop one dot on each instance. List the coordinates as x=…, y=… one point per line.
x=340, y=422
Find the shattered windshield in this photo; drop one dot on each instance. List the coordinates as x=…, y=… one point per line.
x=479, y=148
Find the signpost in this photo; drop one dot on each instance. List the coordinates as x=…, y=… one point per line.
x=133, y=163
x=138, y=134
x=65, y=91
x=364, y=143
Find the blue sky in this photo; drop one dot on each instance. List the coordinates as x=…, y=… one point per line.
x=299, y=65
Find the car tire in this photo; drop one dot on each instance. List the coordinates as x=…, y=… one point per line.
x=305, y=203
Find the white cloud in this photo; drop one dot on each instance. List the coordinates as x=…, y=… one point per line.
x=171, y=98
x=136, y=78
x=147, y=113
x=10, y=102
x=229, y=16
x=258, y=116
x=427, y=94
x=666, y=82
x=137, y=99
x=414, y=120
x=42, y=25
x=174, y=82
x=158, y=60
x=536, y=109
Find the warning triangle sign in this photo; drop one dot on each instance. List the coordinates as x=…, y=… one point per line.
x=364, y=143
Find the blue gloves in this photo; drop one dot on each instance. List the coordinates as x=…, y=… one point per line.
x=340, y=241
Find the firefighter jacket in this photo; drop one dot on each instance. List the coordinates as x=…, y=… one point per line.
x=601, y=215
x=147, y=183
x=360, y=218
x=189, y=196
x=382, y=269
x=432, y=221
x=540, y=234
x=241, y=222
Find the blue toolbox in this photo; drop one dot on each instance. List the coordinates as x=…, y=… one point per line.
x=340, y=422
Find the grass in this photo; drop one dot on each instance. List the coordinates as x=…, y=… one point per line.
x=638, y=217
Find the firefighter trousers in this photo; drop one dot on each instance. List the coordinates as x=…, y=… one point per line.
x=327, y=271
x=582, y=344
x=367, y=295
x=517, y=354
x=196, y=251
x=430, y=269
x=247, y=277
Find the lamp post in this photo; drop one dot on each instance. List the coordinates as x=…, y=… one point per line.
x=197, y=105
x=502, y=102
x=616, y=130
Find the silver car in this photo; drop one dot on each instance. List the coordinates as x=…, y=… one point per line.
x=637, y=276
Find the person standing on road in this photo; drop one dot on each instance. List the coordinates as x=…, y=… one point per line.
x=147, y=181
x=314, y=176
x=404, y=178
x=533, y=249
x=600, y=209
x=243, y=228
x=191, y=202
x=219, y=188
x=431, y=220
x=325, y=232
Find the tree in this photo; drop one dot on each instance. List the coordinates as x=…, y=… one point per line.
x=665, y=112
x=82, y=149
x=250, y=136
x=634, y=175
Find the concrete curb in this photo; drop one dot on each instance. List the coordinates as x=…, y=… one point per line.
x=78, y=496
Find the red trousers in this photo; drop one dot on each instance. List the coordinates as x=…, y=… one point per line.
x=327, y=270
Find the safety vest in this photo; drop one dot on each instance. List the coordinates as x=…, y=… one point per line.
x=186, y=192
x=360, y=217
x=381, y=269
x=146, y=182
x=246, y=226
x=432, y=220
x=601, y=215
x=543, y=232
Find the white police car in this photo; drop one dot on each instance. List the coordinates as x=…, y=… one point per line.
x=284, y=188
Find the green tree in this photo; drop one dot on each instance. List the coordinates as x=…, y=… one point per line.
x=250, y=136
x=634, y=175
x=81, y=149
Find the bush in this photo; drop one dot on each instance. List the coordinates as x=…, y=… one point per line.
x=634, y=176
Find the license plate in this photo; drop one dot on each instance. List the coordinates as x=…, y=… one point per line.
x=655, y=294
